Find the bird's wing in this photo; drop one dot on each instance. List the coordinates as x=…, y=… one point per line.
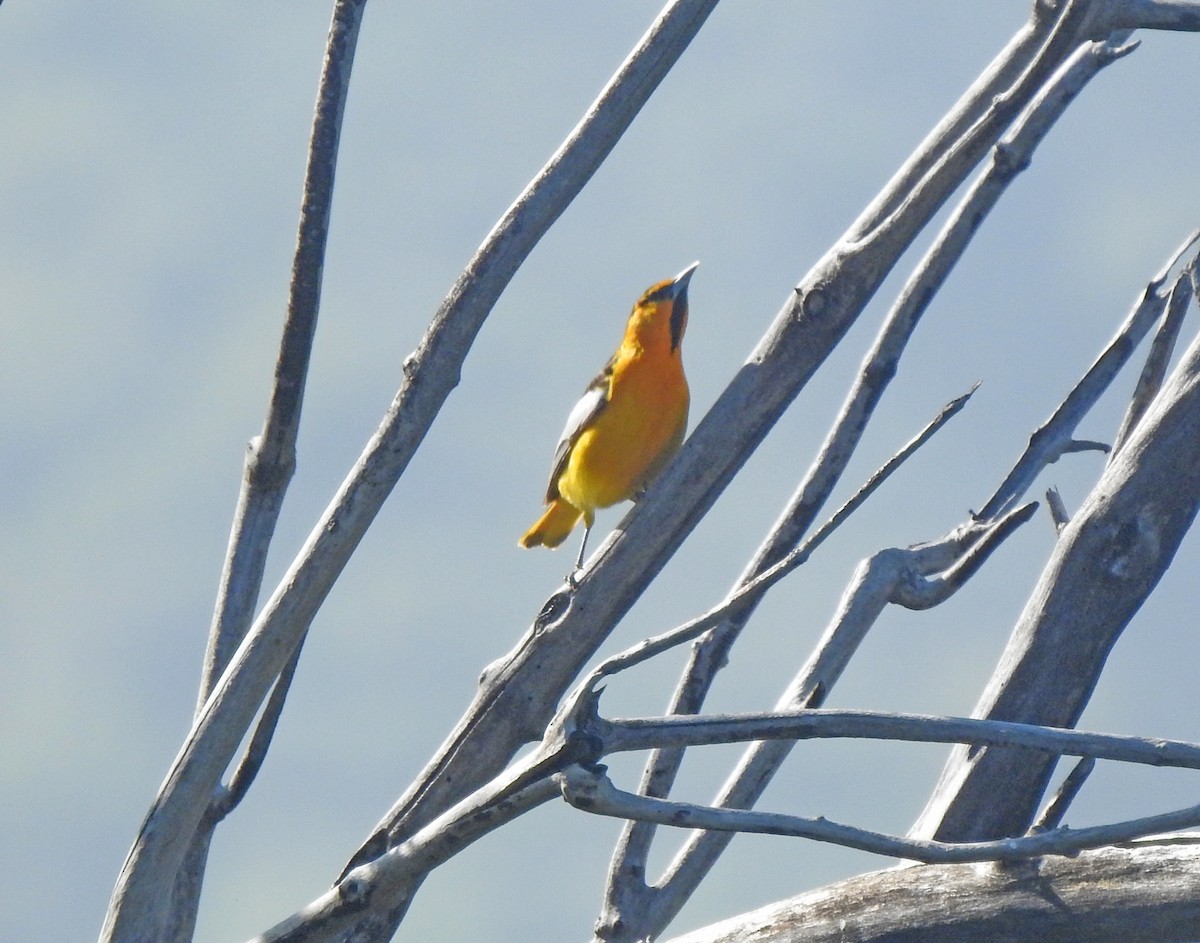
x=590, y=405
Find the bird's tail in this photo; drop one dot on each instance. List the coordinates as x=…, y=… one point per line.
x=552, y=527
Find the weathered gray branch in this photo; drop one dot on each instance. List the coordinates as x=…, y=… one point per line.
x=271, y=456
x=1147, y=893
x=523, y=689
x=1055, y=437
x=590, y=790
x=139, y=910
x=1155, y=368
x=752, y=590
x=1010, y=157
x=1106, y=16
x=621, y=735
x=1107, y=561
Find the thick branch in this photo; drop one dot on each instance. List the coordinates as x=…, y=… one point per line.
x=1148, y=893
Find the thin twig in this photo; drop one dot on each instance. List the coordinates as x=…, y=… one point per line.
x=256, y=751
x=752, y=590
x=1056, y=808
x=1161, y=348
x=924, y=592
x=1058, y=510
x=271, y=456
x=1049, y=442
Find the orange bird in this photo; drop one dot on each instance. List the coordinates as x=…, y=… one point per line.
x=629, y=422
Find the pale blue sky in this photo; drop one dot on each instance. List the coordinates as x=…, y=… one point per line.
x=151, y=156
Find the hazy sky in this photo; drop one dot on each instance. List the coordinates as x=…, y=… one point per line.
x=151, y=156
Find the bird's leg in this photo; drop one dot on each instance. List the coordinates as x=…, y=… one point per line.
x=573, y=579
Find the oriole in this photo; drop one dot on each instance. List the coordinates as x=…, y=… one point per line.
x=629, y=422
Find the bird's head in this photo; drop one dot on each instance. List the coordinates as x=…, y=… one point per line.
x=665, y=304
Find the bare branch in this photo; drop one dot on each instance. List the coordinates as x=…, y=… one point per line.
x=1056, y=808
x=1054, y=437
x=1106, y=16
x=1108, y=560
x=1058, y=510
x=749, y=592
x=1147, y=893
x=140, y=910
x=271, y=456
x=618, y=736
x=1163, y=346
x=591, y=791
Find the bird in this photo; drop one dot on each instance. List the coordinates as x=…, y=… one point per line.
x=628, y=424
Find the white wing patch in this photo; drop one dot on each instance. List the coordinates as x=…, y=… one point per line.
x=594, y=399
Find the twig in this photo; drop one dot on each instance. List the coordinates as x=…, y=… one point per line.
x=752, y=590
x=256, y=751
x=923, y=592
x=1054, y=437
x=1058, y=510
x=1155, y=368
x=1056, y=808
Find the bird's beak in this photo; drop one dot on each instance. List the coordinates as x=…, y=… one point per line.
x=680, y=282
